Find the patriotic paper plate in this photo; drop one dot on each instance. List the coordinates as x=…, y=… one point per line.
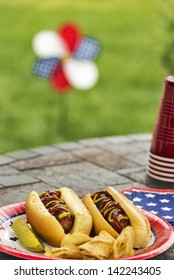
x=162, y=236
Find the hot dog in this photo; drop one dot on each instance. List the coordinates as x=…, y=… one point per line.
x=54, y=214
x=58, y=208
x=112, y=211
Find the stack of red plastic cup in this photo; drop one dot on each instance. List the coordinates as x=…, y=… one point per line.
x=161, y=156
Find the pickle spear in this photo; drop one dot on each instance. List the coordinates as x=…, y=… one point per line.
x=26, y=236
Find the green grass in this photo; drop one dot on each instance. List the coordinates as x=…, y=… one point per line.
x=126, y=98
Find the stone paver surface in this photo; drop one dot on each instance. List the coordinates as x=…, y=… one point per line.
x=84, y=165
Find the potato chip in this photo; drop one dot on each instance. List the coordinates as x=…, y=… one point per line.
x=99, y=247
x=75, y=238
x=67, y=251
x=102, y=246
x=123, y=245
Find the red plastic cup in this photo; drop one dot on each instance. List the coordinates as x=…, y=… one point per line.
x=162, y=144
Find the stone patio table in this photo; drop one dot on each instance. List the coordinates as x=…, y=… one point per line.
x=85, y=166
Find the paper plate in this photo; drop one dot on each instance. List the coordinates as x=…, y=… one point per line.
x=162, y=236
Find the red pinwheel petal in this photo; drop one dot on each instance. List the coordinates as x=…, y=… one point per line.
x=71, y=33
x=59, y=81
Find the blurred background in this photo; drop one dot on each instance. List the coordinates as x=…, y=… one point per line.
x=137, y=39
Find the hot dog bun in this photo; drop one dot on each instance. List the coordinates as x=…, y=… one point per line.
x=138, y=220
x=83, y=219
x=47, y=226
x=99, y=223
x=43, y=223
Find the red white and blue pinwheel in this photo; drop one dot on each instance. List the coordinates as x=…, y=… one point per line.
x=66, y=58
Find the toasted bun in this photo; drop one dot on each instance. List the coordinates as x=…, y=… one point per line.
x=43, y=223
x=138, y=220
x=83, y=219
x=99, y=223
x=46, y=225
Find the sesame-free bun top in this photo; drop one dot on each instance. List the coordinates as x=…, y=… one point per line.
x=99, y=223
x=46, y=225
x=138, y=220
x=42, y=222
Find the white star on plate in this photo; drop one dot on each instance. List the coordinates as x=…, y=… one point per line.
x=164, y=200
x=150, y=195
x=137, y=199
x=151, y=204
x=166, y=208
x=167, y=217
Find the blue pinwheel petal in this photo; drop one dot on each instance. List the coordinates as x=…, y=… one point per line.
x=45, y=67
x=87, y=49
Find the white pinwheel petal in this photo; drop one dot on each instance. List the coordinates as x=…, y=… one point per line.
x=49, y=44
x=82, y=75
